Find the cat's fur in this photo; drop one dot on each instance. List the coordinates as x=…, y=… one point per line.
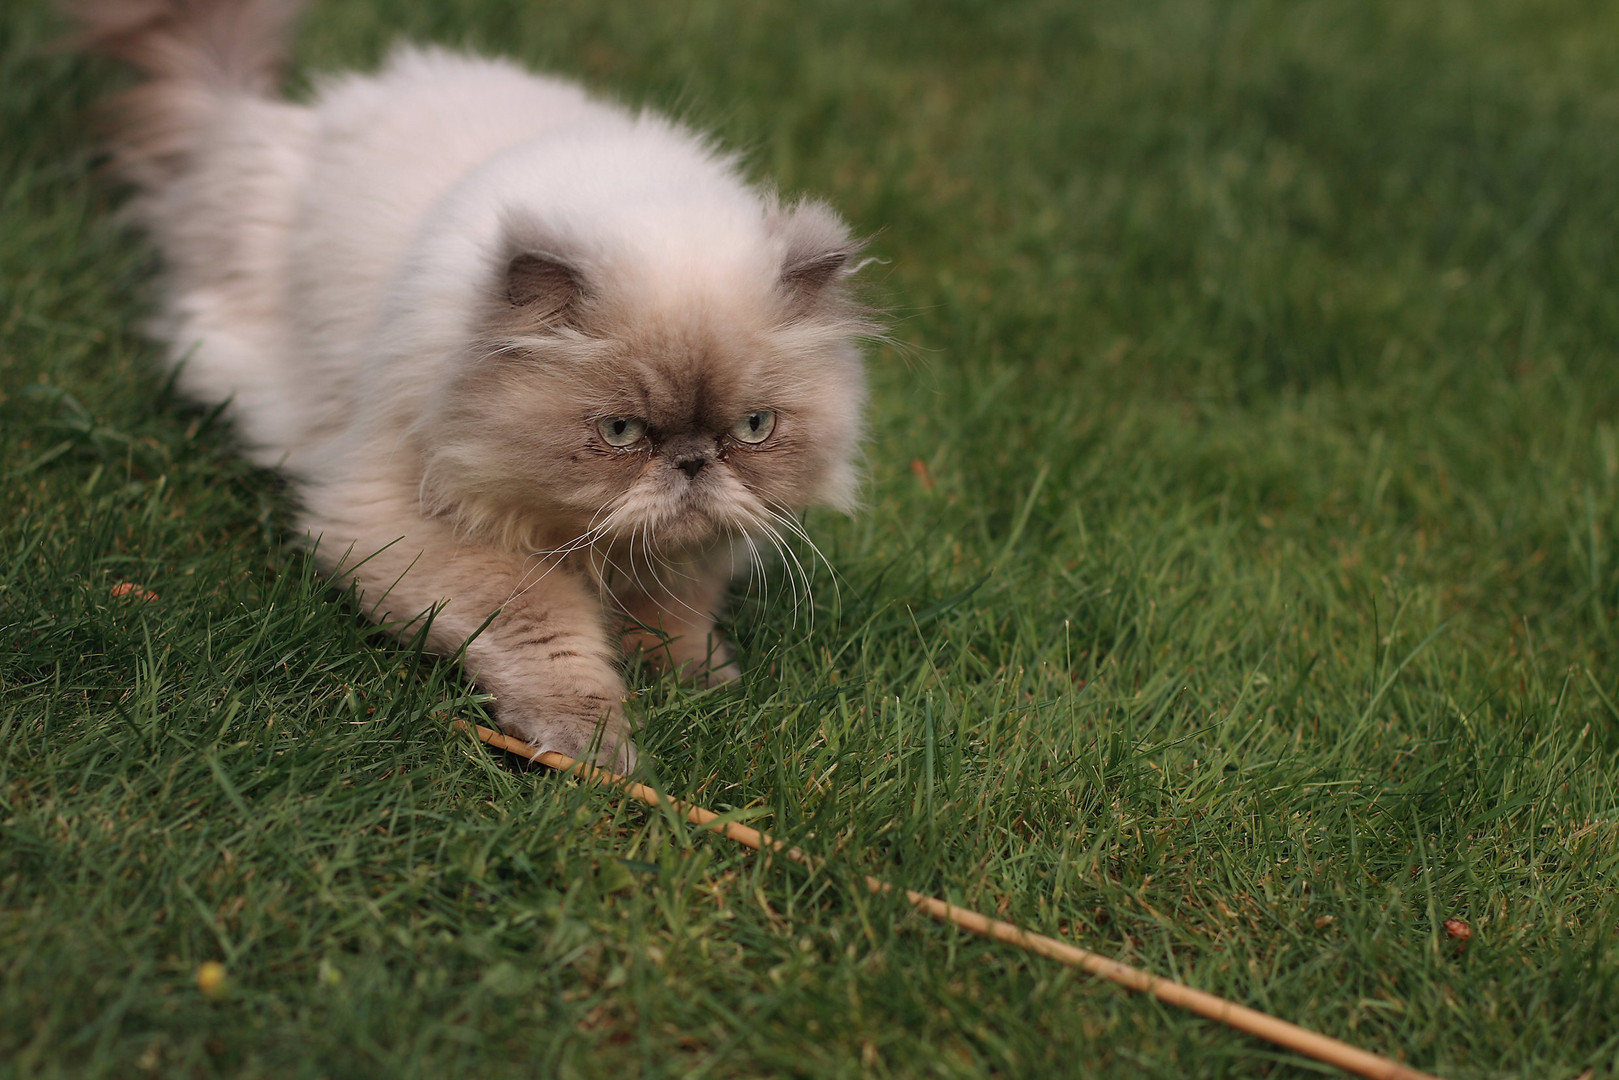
x=427, y=292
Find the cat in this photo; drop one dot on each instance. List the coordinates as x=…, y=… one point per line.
x=541, y=371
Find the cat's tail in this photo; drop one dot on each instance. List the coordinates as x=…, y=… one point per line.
x=196, y=54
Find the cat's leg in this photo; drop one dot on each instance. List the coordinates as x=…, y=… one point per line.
x=673, y=627
x=545, y=656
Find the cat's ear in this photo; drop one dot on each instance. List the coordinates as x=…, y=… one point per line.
x=542, y=290
x=814, y=274
x=819, y=255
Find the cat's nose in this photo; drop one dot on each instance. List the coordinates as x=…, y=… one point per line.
x=692, y=466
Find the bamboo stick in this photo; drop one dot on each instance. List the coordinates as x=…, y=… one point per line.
x=1312, y=1044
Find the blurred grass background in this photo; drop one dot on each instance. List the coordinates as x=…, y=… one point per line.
x=1236, y=596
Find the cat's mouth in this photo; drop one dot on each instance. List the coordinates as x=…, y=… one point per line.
x=689, y=523
x=697, y=515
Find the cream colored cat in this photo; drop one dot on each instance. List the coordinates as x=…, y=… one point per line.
x=527, y=358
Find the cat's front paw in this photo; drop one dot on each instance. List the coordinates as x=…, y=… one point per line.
x=603, y=741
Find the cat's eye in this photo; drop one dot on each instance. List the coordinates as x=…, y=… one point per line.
x=621, y=430
x=755, y=427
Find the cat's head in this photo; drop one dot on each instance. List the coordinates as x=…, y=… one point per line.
x=661, y=384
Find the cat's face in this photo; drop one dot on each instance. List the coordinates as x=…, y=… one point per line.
x=667, y=418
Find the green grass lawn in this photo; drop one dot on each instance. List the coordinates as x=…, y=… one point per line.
x=1238, y=593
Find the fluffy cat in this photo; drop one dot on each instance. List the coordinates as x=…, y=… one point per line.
x=537, y=367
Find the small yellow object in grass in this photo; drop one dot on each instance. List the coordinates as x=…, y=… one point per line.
x=211, y=978
x=1312, y=1044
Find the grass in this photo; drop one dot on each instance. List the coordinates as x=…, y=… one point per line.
x=1237, y=593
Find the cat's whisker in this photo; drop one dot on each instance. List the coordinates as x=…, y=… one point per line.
x=646, y=554
x=789, y=563
x=806, y=575
x=598, y=562
x=664, y=569
x=744, y=542
x=799, y=531
x=756, y=571
x=593, y=532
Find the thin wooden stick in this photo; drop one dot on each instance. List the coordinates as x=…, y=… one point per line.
x=1311, y=1044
